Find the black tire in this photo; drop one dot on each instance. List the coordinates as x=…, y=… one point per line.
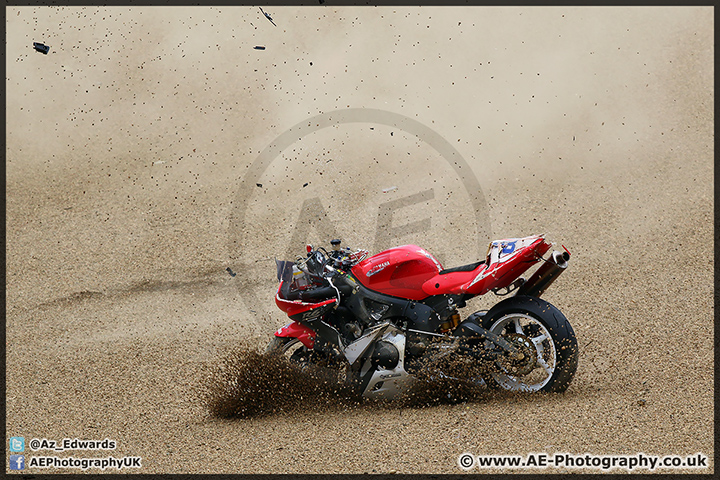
x=278, y=345
x=291, y=347
x=536, y=319
x=308, y=360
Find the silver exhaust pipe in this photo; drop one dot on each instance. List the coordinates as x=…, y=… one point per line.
x=545, y=275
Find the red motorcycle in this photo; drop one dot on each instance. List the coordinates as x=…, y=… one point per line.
x=380, y=322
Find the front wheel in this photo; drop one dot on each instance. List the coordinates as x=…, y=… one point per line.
x=291, y=348
x=540, y=328
x=309, y=361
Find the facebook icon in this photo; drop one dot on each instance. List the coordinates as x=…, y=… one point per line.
x=17, y=462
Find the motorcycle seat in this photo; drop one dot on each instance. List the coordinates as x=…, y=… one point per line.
x=464, y=268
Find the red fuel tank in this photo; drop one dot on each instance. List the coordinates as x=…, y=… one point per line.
x=399, y=271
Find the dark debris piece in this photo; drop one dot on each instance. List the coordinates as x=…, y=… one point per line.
x=259, y=47
x=305, y=185
x=229, y=270
x=267, y=16
x=44, y=49
x=259, y=185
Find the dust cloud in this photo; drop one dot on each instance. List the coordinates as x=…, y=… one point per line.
x=127, y=151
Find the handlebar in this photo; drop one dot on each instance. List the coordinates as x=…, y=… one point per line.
x=320, y=263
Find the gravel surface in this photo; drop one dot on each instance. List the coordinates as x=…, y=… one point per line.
x=133, y=184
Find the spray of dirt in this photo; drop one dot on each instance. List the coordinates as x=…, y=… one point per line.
x=446, y=379
x=250, y=384
x=247, y=383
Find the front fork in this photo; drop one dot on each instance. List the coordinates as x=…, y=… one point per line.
x=310, y=339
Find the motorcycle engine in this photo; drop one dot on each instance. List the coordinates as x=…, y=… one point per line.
x=385, y=355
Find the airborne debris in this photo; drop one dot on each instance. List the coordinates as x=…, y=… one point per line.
x=267, y=16
x=248, y=384
x=44, y=49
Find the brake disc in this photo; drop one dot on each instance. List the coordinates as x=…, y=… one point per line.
x=527, y=363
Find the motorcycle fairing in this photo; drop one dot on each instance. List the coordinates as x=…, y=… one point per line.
x=295, y=307
x=359, y=346
x=506, y=259
x=378, y=382
x=297, y=330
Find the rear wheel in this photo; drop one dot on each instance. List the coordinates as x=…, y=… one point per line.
x=539, y=329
